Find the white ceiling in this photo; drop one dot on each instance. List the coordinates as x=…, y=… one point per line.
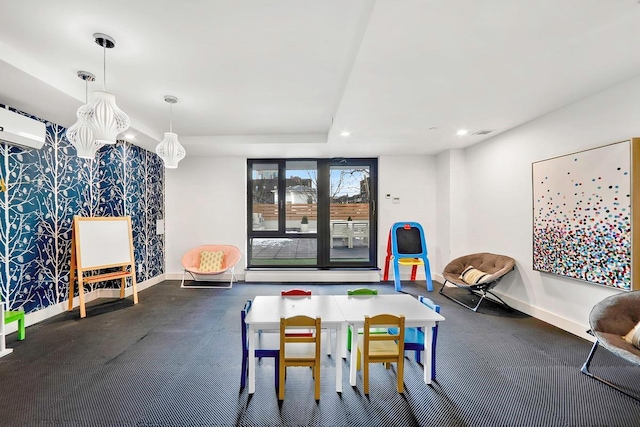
x=285, y=77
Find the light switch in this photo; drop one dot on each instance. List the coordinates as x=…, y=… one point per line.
x=159, y=226
x=396, y=200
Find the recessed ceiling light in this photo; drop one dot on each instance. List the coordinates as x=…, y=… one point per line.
x=462, y=132
x=345, y=133
x=483, y=132
x=129, y=136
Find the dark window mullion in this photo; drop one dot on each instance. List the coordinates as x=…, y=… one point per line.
x=323, y=212
x=282, y=198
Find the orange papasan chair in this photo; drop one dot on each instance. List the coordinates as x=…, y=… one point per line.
x=206, y=261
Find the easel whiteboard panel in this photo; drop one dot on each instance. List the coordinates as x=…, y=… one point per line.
x=104, y=241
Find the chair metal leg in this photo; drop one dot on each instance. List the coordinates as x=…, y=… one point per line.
x=184, y=272
x=233, y=276
x=585, y=367
x=585, y=370
x=499, y=299
x=483, y=293
x=458, y=301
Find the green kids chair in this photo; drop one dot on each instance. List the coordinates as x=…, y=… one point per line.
x=16, y=316
x=363, y=291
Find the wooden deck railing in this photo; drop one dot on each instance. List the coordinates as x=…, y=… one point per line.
x=357, y=211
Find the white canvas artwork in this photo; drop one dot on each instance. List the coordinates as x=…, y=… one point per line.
x=582, y=215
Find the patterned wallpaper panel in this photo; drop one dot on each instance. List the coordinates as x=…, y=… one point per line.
x=46, y=188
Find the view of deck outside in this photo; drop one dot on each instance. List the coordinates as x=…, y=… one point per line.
x=266, y=215
x=349, y=238
x=349, y=219
x=302, y=251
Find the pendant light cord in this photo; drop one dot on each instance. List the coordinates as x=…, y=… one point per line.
x=104, y=66
x=171, y=117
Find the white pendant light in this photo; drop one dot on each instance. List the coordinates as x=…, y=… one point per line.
x=170, y=150
x=102, y=115
x=79, y=134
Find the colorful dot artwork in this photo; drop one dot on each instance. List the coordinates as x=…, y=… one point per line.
x=582, y=216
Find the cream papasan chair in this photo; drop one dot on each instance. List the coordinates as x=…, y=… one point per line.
x=485, y=269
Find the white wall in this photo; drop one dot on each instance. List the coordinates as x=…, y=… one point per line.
x=450, y=209
x=413, y=180
x=442, y=253
x=499, y=198
x=206, y=203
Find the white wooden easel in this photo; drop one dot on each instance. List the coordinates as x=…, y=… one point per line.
x=99, y=243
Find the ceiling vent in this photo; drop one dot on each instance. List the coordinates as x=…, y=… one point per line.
x=483, y=132
x=23, y=131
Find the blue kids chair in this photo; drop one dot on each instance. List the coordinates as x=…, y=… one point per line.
x=414, y=337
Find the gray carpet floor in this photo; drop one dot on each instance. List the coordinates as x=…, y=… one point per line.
x=174, y=360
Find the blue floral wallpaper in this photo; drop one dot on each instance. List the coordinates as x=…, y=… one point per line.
x=46, y=188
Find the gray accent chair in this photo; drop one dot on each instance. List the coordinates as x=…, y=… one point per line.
x=610, y=320
x=493, y=264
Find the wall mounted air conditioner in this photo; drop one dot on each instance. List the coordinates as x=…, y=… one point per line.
x=23, y=131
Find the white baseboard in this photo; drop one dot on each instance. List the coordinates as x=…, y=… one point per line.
x=312, y=276
x=50, y=311
x=115, y=293
x=286, y=275
x=293, y=276
x=53, y=310
x=570, y=326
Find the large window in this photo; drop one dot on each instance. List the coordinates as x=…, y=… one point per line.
x=312, y=213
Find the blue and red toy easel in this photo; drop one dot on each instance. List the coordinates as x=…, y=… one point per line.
x=406, y=246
